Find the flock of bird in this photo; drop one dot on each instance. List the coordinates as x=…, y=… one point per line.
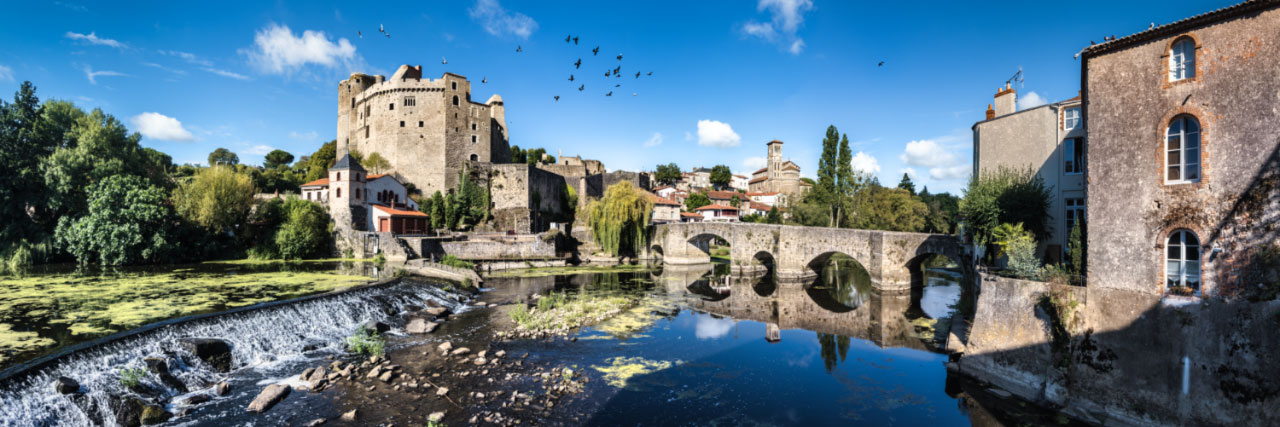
x=615, y=72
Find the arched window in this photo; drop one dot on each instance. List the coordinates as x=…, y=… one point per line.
x=1182, y=60
x=339, y=177
x=1182, y=150
x=455, y=100
x=475, y=157
x=1182, y=263
x=337, y=193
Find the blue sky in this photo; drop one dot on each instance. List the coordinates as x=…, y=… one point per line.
x=727, y=76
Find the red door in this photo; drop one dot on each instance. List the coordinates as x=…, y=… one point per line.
x=384, y=224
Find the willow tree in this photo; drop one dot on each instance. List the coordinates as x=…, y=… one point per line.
x=619, y=219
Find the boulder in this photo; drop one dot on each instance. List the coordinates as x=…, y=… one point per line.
x=154, y=414
x=421, y=326
x=376, y=326
x=128, y=411
x=196, y=399
x=349, y=416
x=215, y=352
x=316, y=422
x=222, y=388
x=459, y=351
x=270, y=396
x=445, y=347
x=317, y=378
x=160, y=367
x=66, y=385
x=437, y=311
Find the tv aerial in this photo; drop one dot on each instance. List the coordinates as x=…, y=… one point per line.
x=1016, y=79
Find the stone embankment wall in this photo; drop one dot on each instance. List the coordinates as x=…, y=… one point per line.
x=527, y=247
x=1176, y=362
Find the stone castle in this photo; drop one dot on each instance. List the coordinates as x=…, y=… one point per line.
x=426, y=129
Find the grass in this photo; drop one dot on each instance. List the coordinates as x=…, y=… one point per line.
x=130, y=377
x=453, y=261
x=41, y=311
x=558, y=311
x=367, y=343
x=570, y=270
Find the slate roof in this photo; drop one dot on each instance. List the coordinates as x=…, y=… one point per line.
x=346, y=162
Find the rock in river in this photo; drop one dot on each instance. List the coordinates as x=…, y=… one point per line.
x=154, y=414
x=222, y=388
x=269, y=396
x=66, y=385
x=376, y=326
x=215, y=352
x=420, y=326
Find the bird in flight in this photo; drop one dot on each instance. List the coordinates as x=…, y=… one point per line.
x=444, y=61
x=519, y=49
x=606, y=72
x=617, y=70
x=387, y=34
x=618, y=85
x=609, y=94
x=568, y=38
x=571, y=77
x=650, y=73
x=484, y=80
x=581, y=87
x=380, y=30
x=619, y=56
x=637, y=74
x=358, y=33
x=557, y=98
x=578, y=64
x=575, y=41
x=595, y=51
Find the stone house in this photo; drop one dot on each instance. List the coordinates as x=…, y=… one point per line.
x=724, y=197
x=316, y=191
x=771, y=198
x=664, y=210
x=1048, y=139
x=778, y=175
x=740, y=182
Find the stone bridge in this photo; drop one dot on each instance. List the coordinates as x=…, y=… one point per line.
x=798, y=253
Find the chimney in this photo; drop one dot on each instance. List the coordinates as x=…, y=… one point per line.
x=991, y=114
x=1005, y=101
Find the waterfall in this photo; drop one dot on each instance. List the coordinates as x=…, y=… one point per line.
x=268, y=342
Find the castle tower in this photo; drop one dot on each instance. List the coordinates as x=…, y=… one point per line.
x=775, y=158
x=347, y=194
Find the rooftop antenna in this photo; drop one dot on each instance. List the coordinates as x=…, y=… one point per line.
x=1017, y=78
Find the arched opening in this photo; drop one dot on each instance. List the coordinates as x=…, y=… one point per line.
x=656, y=252
x=938, y=287
x=455, y=100
x=474, y=157
x=842, y=285
x=715, y=246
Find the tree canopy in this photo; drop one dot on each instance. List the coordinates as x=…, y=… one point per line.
x=376, y=163
x=668, y=174
x=619, y=220
x=218, y=198
x=223, y=156
x=721, y=176
x=276, y=158
x=128, y=222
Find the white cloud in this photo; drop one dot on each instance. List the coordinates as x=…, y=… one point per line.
x=865, y=163
x=93, y=38
x=93, y=75
x=910, y=172
x=755, y=163
x=715, y=133
x=654, y=140
x=189, y=57
x=305, y=136
x=926, y=152
x=276, y=50
x=1030, y=100
x=259, y=150
x=6, y=73
x=171, y=70
x=952, y=172
x=498, y=21
x=709, y=328
x=786, y=17
x=225, y=73
x=160, y=126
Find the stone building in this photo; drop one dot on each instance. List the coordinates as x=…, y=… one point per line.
x=1047, y=139
x=426, y=129
x=778, y=175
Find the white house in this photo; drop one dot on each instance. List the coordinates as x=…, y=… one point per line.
x=718, y=213
x=740, y=182
x=316, y=191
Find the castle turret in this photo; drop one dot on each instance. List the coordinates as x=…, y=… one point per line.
x=347, y=194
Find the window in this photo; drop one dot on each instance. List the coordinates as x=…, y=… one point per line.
x=391, y=106
x=402, y=123
x=473, y=126
x=337, y=193
x=1075, y=213
x=419, y=123
x=1182, y=60
x=1071, y=118
x=357, y=193
x=473, y=139
x=353, y=103
x=1182, y=151
x=455, y=102
x=366, y=131
x=367, y=109
x=1073, y=153
x=339, y=177
x=455, y=87
x=1182, y=263
x=475, y=157
x=409, y=101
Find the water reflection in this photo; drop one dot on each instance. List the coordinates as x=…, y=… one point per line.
x=842, y=285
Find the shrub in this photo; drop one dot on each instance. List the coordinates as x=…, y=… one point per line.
x=129, y=222
x=305, y=230
x=379, y=260
x=1023, y=262
x=1006, y=196
x=453, y=261
x=131, y=377
x=367, y=343
x=218, y=198
x=520, y=314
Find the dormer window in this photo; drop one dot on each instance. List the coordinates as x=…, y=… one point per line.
x=1070, y=118
x=1182, y=60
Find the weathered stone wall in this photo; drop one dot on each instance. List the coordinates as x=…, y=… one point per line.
x=514, y=188
x=1129, y=103
x=524, y=248
x=637, y=179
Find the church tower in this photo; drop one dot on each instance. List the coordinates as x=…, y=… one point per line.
x=347, y=194
x=775, y=158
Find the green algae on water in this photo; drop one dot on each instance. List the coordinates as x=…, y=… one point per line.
x=622, y=369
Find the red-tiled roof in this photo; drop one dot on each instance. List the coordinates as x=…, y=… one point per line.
x=760, y=179
x=762, y=170
x=760, y=206
x=690, y=215
x=375, y=176
x=661, y=188
x=739, y=176
x=773, y=142
x=717, y=206
x=721, y=195
x=658, y=200
x=318, y=182
x=397, y=212
x=765, y=194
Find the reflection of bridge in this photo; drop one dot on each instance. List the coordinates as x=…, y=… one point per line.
x=882, y=319
x=892, y=258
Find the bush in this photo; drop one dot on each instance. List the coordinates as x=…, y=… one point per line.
x=129, y=222
x=1023, y=262
x=305, y=232
x=453, y=261
x=1005, y=196
x=131, y=377
x=379, y=260
x=218, y=198
x=367, y=343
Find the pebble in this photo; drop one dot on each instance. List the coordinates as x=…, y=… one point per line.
x=349, y=416
x=481, y=361
x=435, y=417
x=442, y=391
x=460, y=351
x=500, y=353
x=316, y=422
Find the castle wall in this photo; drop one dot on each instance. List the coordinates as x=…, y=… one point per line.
x=513, y=190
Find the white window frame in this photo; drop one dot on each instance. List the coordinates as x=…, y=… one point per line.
x=1184, y=160
x=1070, y=121
x=1182, y=60
x=1070, y=147
x=1176, y=265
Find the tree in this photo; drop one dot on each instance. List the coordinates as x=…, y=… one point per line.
x=906, y=184
x=668, y=174
x=223, y=156
x=619, y=220
x=695, y=201
x=103, y=147
x=1006, y=196
x=218, y=198
x=451, y=211
x=735, y=201
x=826, y=193
x=721, y=177
x=437, y=211
x=774, y=217
x=847, y=181
x=943, y=210
x=376, y=163
x=276, y=158
x=892, y=209
x=517, y=155
x=305, y=231
x=318, y=163
x=128, y=222
x=1075, y=248
x=22, y=147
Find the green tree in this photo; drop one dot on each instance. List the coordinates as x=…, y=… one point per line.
x=721, y=176
x=774, y=216
x=892, y=209
x=847, y=181
x=438, y=211
x=24, y=142
x=1006, y=196
x=518, y=155
x=223, y=156
x=376, y=163
x=128, y=222
x=735, y=201
x=943, y=211
x=906, y=184
x=305, y=231
x=695, y=201
x=276, y=158
x=103, y=147
x=826, y=192
x=668, y=174
x=451, y=211
x=1075, y=248
x=318, y=163
x=218, y=198
x=619, y=220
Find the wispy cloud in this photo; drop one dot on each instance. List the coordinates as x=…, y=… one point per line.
x=225, y=73
x=755, y=162
x=958, y=173
x=276, y=50
x=92, y=38
x=498, y=21
x=304, y=136
x=259, y=150
x=6, y=73
x=786, y=17
x=72, y=6
x=93, y=75
x=654, y=140
x=161, y=67
x=189, y=57
x=714, y=133
x=160, y=126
